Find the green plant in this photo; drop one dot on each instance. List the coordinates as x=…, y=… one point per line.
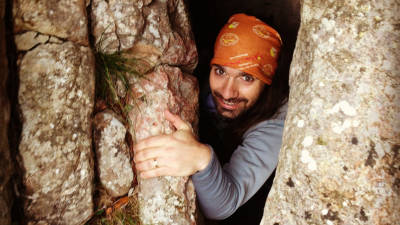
x=114, y=72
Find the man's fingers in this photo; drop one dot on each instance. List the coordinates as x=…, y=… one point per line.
x=178, y=123
x=148, y=153
x=151, y=142
x=153, y=168
x=150, y=164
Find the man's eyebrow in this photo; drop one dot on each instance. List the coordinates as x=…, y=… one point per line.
x=219, y=66
x=240, y=74
x=245, y=74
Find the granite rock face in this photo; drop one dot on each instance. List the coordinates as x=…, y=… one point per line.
x=164, y=200
x=340, y=160
x=6, y=171
x=60, y=18
x=56, y=96
x=159, y=32
x=112, y=153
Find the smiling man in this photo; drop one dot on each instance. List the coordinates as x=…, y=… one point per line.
x=234, y=91
x=241, y=126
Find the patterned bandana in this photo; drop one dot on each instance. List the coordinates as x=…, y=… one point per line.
x=247, y=44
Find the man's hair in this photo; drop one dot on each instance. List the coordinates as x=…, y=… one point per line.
x=270, y=100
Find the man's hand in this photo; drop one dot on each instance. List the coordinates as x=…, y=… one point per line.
x=176, y=154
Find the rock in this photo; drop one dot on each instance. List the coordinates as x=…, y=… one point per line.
x=112, y=153
x=30, y=39
x=158, y=32
x=116, y=24
x=6, y=171
x=61, y=18
x=339, y=162
x=168, y=29
x=164, y=200
x=56, y=97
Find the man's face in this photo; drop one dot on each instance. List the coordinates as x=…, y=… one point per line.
x=234, y=91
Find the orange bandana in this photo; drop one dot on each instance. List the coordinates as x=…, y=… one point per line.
x=247, y=44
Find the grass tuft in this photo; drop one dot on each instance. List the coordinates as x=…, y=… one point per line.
x=125, y=215
x=114, y=72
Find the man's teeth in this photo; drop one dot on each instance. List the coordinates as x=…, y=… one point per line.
x=228, y=103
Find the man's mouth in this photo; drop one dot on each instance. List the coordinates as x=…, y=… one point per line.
x=229, y=104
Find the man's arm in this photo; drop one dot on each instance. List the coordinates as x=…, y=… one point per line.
x=220, y=190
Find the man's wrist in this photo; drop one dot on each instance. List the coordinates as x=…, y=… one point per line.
x=205, y=157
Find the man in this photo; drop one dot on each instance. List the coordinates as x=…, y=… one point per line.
x=242, y=118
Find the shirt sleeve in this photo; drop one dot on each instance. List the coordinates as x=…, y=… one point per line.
x=220, y=191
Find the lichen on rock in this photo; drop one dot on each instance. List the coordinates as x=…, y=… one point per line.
x=61, y=18
x=112, y=154
x=158, y=32
x=56, y=96
x=342, y=126
x=164, y=200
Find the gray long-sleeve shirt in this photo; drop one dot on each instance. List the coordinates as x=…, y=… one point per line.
x=221, y=191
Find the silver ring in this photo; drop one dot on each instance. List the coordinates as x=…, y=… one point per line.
x=155, y=163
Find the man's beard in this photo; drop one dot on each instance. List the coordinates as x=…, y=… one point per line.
x=221, y=110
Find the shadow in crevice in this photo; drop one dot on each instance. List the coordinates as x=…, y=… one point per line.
x=15, y=125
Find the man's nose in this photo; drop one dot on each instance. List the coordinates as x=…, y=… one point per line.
x=229, y=89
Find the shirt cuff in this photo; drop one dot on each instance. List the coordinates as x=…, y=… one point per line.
x=206, y=171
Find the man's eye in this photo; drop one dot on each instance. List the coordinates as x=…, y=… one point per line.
x=248, y=78
x=219, y=71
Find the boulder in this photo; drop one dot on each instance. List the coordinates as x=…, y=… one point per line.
x=164, y=200
x=56, y=97
x=340, y=161
x=112, y=154
x=158, y=32
x=60, y=18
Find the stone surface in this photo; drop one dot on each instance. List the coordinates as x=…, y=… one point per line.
x=116, y=24
x=56, y=96
x=29, y=39
x=159, y=32
x=61, y=18
x=165, y=200
x=112, y=154
x=6, y=171
x=340, y=160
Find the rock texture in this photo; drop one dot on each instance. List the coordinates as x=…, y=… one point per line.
x=56, y=96
x=5, y=159
x=340, y=159
x=159, y=32
x=165, y=200
x=60, y=18
x=112, y=154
